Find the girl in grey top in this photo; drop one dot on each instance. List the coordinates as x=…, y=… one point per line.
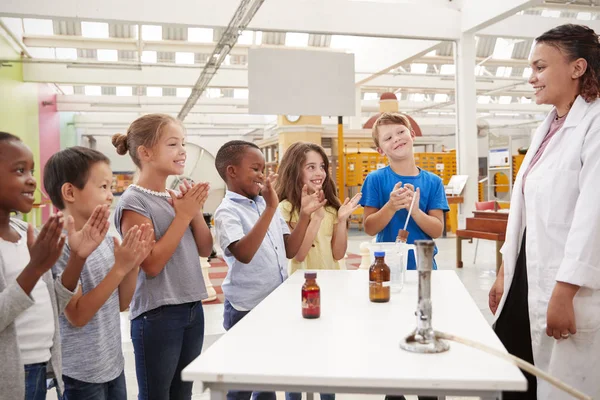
x=167, y=327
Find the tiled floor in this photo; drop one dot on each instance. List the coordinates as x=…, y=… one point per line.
x=477, y=278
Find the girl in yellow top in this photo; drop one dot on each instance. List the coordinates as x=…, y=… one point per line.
x=326, y=237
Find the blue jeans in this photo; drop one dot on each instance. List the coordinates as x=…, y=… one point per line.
x=231, y=316
x=165, y=340
x=79, y=390
x=298, y=396
x=35, y=381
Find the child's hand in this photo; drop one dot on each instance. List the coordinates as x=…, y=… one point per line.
x=396, y=200
x=86, y=240
x=189, y=204
x=268, y=191
x=348, y=207
x=47, y=247
x=410, y=190
x=186, y=186
x=311, y=202
x=134, y=249
x=320, y=213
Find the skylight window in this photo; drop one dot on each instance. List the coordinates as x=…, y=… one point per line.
x=67, y=89
x=42, y=52
x=183, y=92
x=92, y=90
x=35, y=26
x=246, y=37
x=504, y=72
x=151, y=32
x=505, y=99
x=503, y=48
x=213, y=93
x=98, y=30
x=149, y=57
x=551, y=13
x=440, y=98
x=201, y=35
x=448, y=69
x=154, y=91
x=124, y=91
x=371, y=96
x=418, y=68
x=484, y=99
x=184, y=58
x=294, y=39
x=585, y=16
x=240, y=93
x=258, y=38
x=108, y=55
x=66, y=53
x=527, y=72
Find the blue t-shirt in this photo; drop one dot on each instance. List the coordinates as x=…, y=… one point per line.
x=376, y=192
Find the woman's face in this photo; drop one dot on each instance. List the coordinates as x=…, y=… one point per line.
x=554, y=78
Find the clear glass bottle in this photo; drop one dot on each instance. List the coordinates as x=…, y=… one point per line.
x=398, y=266
x=379, y=279
x=311, y=296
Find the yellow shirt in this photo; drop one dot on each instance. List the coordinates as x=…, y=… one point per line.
x=320, y=256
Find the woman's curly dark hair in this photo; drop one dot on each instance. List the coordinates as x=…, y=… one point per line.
x=578, y=41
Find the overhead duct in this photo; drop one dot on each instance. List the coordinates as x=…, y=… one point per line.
x=240, y=20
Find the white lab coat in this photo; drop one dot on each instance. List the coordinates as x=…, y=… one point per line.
x=561, y=210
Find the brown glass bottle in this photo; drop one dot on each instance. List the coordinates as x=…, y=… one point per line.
x=379, y=279
x=311, y=296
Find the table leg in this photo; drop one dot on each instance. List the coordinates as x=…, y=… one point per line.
x=459, y=263
x=218, y=394
x=499, y=245
x=310, y=396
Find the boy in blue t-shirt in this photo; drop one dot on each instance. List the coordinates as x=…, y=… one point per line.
x=388, y=192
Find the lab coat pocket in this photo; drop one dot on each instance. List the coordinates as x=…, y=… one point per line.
x=586, y=304
x=557, y=195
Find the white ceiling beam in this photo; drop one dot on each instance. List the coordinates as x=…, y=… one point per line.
x=97, y=106
x=478, y=14
x=146, y=75
x=180, y=76
x=531, y=26
x=427, y=21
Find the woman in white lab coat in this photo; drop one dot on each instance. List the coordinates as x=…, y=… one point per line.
x=550, y=278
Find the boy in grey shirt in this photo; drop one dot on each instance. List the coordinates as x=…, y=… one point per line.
x=78, y=181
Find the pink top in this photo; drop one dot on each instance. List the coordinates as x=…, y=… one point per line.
x=554, y=127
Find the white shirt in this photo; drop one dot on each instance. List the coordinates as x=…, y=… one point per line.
x=35, y=326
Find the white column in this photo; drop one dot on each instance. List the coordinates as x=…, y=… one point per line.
x=356, y=121
x=466, y=137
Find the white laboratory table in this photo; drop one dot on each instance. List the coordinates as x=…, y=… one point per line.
x=354, y=346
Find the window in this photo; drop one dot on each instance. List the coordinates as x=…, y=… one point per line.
x=124, y=91
x=93, y=90
x=418, y=68
x=98, y=30
x=66, y=53
x=38, y=26
x=294, y=39
x=184, y=58
x=149, y=57
x=202, y=35
x=184, y=92
x=153, y=91
x=503, y=48
x=108, y=55
x=151, y=32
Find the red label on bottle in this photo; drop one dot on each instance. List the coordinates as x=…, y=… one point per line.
x=311, y=304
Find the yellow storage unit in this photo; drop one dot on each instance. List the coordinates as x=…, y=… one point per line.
x=517, y=160
x=359, y=165
x=443, y=164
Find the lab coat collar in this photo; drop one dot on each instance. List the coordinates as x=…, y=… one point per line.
x=577, y=112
